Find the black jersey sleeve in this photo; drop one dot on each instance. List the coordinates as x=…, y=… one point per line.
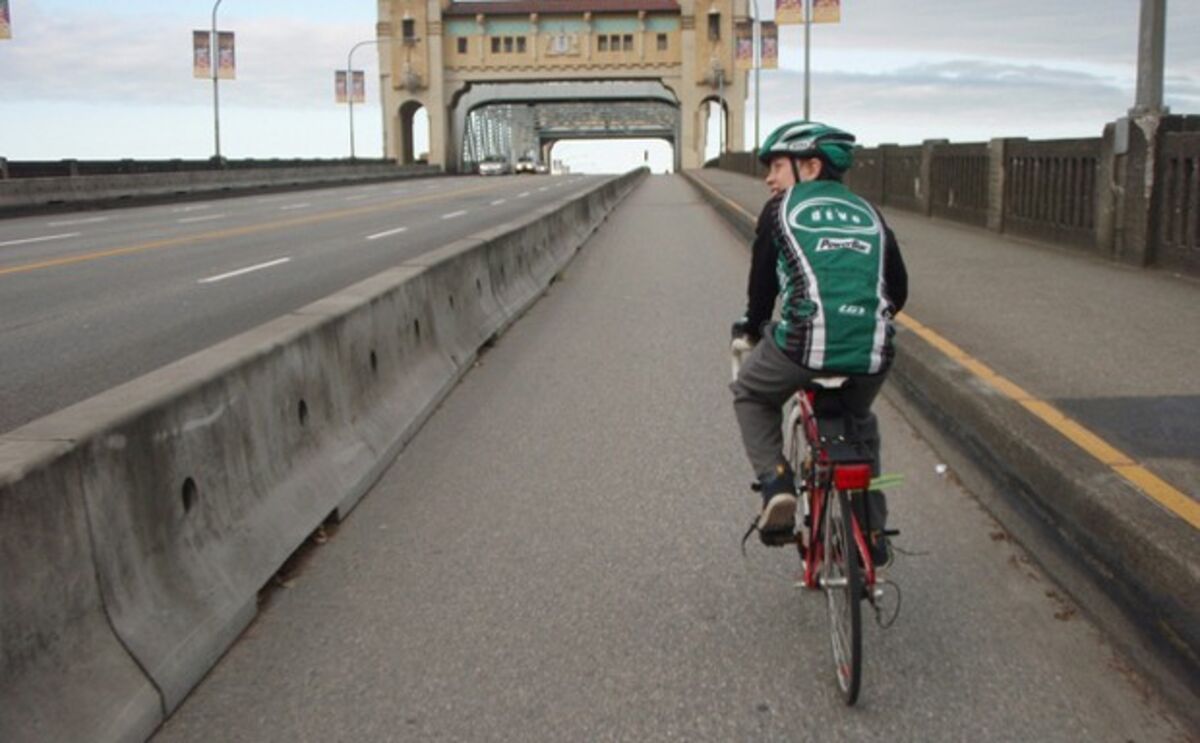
x=895, y=275
x=763, y=284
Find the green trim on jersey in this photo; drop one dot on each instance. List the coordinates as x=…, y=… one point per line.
x=834, y=243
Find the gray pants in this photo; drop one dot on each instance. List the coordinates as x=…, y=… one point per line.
x=766, y=380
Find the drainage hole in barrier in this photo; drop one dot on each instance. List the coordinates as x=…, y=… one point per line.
x=478, y=287
x=502, y=273
x=417, y=328
x=374, y=361
x=189, y=494
x=451, y=301
x=303, y=412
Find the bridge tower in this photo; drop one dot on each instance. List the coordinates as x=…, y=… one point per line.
x=584, y=68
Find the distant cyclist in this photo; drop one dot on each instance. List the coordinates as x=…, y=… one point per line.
x=836, y=267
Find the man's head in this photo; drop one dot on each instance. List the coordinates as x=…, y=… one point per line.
x=802, y=151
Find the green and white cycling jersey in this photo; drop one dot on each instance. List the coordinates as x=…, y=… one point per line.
x=835, y=313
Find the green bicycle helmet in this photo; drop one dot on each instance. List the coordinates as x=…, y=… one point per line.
x=810, y=139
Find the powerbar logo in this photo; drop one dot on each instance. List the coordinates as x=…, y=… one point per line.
x=858, y=246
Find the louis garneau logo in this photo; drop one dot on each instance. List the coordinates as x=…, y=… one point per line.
x=826, y=244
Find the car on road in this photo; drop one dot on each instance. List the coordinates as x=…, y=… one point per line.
x=494, y=166
x=525, y=165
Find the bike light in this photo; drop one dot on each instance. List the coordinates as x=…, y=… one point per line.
x=852, y=476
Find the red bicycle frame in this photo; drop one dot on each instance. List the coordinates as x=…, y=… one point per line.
x=852, y=478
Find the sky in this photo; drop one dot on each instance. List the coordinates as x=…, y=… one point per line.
x=92, y=80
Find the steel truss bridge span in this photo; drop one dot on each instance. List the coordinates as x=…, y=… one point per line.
x=511, y=120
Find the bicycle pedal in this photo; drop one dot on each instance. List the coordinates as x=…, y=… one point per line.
x=777, y=539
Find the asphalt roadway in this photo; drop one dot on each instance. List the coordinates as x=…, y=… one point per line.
x=89, y=300
x=554, y=557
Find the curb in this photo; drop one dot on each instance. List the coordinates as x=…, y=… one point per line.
x=138, y=526
x=1131, y=564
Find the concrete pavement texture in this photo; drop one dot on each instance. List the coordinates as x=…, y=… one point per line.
x=554, y=557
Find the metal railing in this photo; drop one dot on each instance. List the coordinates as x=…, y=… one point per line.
x=1050, y=189
x=1178, y=205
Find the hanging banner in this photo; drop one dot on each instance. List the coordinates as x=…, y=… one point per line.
x=201, y=55
x=226, y=65
x=770, y=46
x=743, y=34
x=789, y=12
x=827, y=11
x=5, y=21
x=339, y=86
x=360, y=87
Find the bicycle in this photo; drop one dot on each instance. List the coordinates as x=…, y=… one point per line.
x=833, y=476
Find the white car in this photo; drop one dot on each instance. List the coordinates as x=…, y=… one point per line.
x=525, y=165
x=494, y=166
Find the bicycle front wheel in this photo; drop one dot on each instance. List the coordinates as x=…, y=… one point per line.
x=841, y=579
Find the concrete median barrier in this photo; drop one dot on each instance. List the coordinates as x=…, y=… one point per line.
x=137, y=527
x=24, y=195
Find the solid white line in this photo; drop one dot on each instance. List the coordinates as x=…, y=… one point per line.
x=65, y=223
x=452, y=215
x=358, y=197
x=205, y=218
x=193, y=208
x=290, y=207
x=378, y=235
x=241, y=271
x=40, y=239
x=522, y=195
x=498, y=202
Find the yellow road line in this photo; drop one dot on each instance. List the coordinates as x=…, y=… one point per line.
x=1153, y=486
x=232, y=232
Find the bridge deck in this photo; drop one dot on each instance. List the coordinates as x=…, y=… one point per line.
x=555, y=558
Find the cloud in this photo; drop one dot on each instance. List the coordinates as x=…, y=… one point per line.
x=968, y=100
x=100, y=56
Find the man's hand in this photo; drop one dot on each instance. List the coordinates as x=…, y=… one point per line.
x=742, y=329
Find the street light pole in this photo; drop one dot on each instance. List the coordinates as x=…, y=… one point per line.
x=350, y=87
x=756, y=57
x=807, y=49
x=214, y=62
x=1152, y=32
x=350, y=77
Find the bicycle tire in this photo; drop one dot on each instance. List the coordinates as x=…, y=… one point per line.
x=841, y=579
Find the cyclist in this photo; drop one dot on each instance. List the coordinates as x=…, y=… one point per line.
x=836, y=266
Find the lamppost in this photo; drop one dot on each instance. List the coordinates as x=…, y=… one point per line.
x=756, y=58
x=807, y=49
x=407, y=40
x=215, y=64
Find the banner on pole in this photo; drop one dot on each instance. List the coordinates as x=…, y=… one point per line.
x=770, y=46
x=201, y=55
x=359, y=90
x=226, y=65
x=5, y=21
x=743, y=34
x=339, y=86
x=789, y=12
x=827, y=11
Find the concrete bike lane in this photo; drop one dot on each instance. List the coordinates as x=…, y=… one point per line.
x=554, y=557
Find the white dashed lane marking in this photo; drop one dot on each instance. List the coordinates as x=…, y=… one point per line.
x=452, y=215
x=69, y=222
x=240, y=271
x=42, y=239
x=389, y=233
x=205, y=218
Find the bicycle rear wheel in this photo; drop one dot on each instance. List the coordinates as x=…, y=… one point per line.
x=841, y=579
